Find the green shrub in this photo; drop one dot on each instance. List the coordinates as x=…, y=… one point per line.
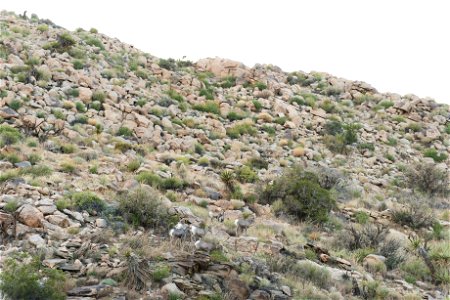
x=11, y=206
x=133, y=165
x=257, y=105
x=98, y=96
x=313, y=273
x=362, y=217
x=143, y=207
x=172, y=183
x=280, y=120
x=228, y=82
x=149, y=178
x=333, y=128
x=301, y=194
x=68, y=148
x=435, y=155
x=80, y=107
x=269, y=129
x=328, y=106
x=124, y=131
x=42, y=27
x=258, y=163
x=36, y=171
x=88, y=201
x=15, y=104
x=91, y=41
x=246, y=174
x=175, y=96
x=22, y=280
x=9, y=135
x=240, y=129
x=62, y=204
x=160, y=273
x=260, y=85
x=209, y=107
x=233, y=116
x=415, y=127
x=218, y=256
x=168, y=64
x=73, y=92
x=447, y=129
x=208, y=93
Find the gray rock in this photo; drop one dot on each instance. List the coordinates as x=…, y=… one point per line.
x=37, y=240
x=23, y=164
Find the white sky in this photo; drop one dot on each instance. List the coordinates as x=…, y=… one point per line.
x=400, y=46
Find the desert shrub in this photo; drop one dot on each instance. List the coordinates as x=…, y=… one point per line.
x=36, y=171
x=351, y=133
x=228, y=82
x=363, y=236
x=209, y=107
x=313, y=273
x=160, y=273
x=30, y=280
x=64, y=43
x=260, y=85
x=68, y=148
x=257, y=105
x=414, y=127
x=362, y=217
x=142, y=206
x=15, y=104
x=88, y=201
x=34, y=158
x=208, y=93
x=269, y=129
x=78, y=64
x=9, y=135
x=68, y=167
x=301, y=194
x=168, y=64
x=414, y=214
x=199, y=149
x=62, y=204
x=149, y=178
x=172, y=183
x=124, y=131
x=80, y=107
x=233, y=116
x=328, y=106
x=98, y=96
x=333, y=128
x=258, y=163
x=415, y=269
x=11, y=206
x=240, y=129
x=133, y=165
x=246, y=174
x=175, y=95
x=435, y=155
x=394, y=252
x=91, y=41
x=427, y=178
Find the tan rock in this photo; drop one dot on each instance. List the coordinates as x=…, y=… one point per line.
x=31, y=216
x=85, y=94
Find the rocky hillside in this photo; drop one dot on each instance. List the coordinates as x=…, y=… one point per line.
x=126, y=176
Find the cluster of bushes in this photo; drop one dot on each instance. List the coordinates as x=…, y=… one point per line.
x=27, y=278
x=339, y=136
x=209, y=107
x=143, y=206
x=172, y=64
x=156, y=181
x=240, y=129
x=63, y=43
x=435, y=155
x=427, y=178
x=9, y=135
x=302, y=194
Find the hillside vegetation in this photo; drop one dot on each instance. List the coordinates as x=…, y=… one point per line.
x=300, y=185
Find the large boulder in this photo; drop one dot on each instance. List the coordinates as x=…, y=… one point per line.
x=30, y=216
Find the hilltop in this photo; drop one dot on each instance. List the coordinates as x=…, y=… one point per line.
x=307, y=186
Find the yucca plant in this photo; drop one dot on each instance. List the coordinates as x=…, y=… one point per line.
x=228, y=178
x=137, y=273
